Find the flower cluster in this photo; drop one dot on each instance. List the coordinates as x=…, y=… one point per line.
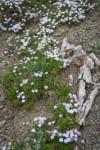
x=24, y=81
x=66, y=11
x=21, y=96
x=42, y=43
x=15, y=14
x=68, y=136
x=41, y=121
x=74, y=104
x=38, y=74
x=70, y=107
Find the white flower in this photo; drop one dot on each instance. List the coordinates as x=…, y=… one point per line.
x=5, y=52
x=75, y=139
x=75, y=110
x=75, y=97
x=53, y=122
x=35, y=57
x=23, y=97
x=32, y=83
x=9, y=143
x=71, y=101
x=36, y=74
x=60, y=134
x=60, y=116
x=46, y=72
x=34, y=140
x=33, y=130
x=21, y=84
x=55, y=131
x=82, y=141
x=14, y=71
x=75, y=135
x=45, y=87
x=15, y=67
x=49, y=123
x=36, y=90
x=70, y=84
x=70, y=95
x=67, y=140
x=55, y=107
x=23, y=101
x=67, y=134
x=52, y=137
x=18, y=96
x=39, y=125
x=17, y=91
x=71, y=111
x=61, y=140
x=33, y=91
x=35, y=119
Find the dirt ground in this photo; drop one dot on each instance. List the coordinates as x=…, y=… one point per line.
x=12, y=122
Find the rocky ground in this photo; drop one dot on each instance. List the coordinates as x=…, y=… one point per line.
x=12, y=121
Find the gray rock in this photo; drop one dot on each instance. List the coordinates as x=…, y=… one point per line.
x=96, y=107
x=1, y=106
x=2, y=123
x=98, y=114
